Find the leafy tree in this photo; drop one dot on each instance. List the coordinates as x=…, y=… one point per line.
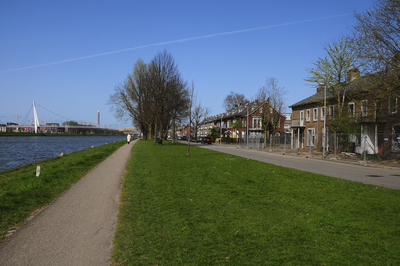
x=332, y=69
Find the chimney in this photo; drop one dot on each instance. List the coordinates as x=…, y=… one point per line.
x=352, y=74
x=321, y=88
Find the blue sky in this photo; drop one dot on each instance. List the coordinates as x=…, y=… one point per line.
x=69, y=55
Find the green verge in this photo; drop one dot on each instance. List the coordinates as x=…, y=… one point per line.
x=22, y=193
x=214, y=208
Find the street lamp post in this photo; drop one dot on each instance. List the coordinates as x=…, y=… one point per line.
x=324, y=135
x=220, y=134
x=247, y=127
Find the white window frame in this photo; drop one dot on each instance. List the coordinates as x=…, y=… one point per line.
x=310, y=136
x=395, y=140
x=256, y=122
x=315, y=114
x=302, y=115
x=331, y=110
x=364, y=107
x=390, y=107
x=354, y=108
x=308, y=115
x=322, y=113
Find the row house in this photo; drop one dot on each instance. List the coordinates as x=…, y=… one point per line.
x=377, y=121
x=245, y=113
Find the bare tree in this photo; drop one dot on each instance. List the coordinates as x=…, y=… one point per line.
x=275, y=93
x=151, y=96
x=233, y=100
x=377, y=42
x=190, y=106
x=377, y=36
x=198, y=115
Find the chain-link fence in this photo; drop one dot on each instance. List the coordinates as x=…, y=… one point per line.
x=361, y=146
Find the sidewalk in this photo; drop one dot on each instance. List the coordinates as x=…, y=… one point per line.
x=77, y=228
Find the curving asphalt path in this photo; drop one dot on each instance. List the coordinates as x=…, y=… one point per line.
x=77, y=228
x=367, y=174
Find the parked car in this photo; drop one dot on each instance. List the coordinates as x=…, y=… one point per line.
x=198, y=139
x=183, y=138
x=192, y=139
x=205, y=140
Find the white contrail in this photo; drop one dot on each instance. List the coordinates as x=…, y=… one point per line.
x=170, y=42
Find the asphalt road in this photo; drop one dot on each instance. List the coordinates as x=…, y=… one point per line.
x=378, y=176
x=77, y=228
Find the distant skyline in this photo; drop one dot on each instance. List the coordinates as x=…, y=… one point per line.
x=68, y=56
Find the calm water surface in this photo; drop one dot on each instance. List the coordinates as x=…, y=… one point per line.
x=17, y=151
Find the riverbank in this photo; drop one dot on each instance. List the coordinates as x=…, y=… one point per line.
x=23, y=194
x=29, y=134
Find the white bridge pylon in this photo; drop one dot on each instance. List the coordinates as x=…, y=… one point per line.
x=35, y=117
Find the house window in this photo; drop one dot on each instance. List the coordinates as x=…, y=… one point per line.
x=322, y=113
x=351, y=109
x=270, y=110
x=311, y=136
x=331, y=111
x=315, y=114
x=301, y=115
x=256, y=122
x=392, y=105
x=228, y=124
x=396, y=139
x=364, y=108
x=308, y=115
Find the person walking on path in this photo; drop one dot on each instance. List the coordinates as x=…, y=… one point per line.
x=128, y=138
x=78, y=227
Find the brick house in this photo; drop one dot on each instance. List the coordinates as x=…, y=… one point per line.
x=251, y=112
x=379, y=124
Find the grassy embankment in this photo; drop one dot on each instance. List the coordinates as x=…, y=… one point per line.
x=215, y=208
x=21, y=192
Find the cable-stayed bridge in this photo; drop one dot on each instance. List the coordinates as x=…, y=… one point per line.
x=70, y=126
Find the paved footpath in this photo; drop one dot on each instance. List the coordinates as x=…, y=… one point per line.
x=77, y=228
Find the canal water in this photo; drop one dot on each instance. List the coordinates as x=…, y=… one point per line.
x=17, y=151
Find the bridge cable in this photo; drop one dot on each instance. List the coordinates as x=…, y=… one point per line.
x=55, y=113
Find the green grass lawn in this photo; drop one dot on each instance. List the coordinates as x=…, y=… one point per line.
x=22, y=192
x=214, y=208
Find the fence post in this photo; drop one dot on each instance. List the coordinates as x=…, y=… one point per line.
x=284, y=146
x=270, y=143
x=335, y=145
x=365, y=148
